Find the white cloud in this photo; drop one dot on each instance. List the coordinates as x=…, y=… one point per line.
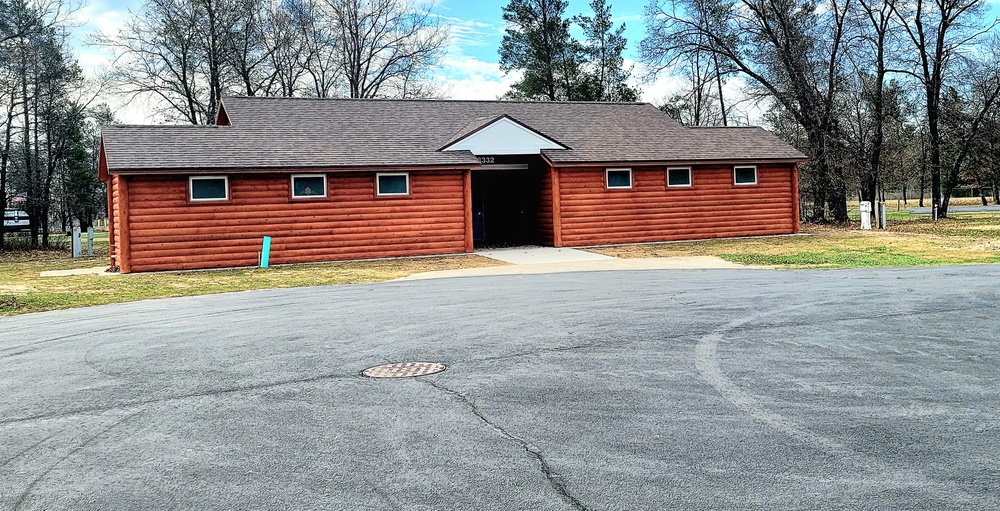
x=468, y=76
x=471, y=78
x=468, y=33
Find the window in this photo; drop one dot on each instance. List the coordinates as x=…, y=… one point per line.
x=392, y=184
x=745, y=175
x=309, y=186
x=679, y=177
x=209, y=188
x=619, y=178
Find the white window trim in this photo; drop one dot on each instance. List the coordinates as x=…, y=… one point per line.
x=378, y=191
x=607, y=174
x=754, y=167
x=192, y=179
x=690, y=177
x=309, y=196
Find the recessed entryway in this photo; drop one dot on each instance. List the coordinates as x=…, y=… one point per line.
x=505, y=207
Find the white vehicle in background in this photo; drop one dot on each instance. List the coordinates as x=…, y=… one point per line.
x=15, y=221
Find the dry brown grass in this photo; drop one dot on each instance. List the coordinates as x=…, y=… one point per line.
x=22, y=290
x=964, y=239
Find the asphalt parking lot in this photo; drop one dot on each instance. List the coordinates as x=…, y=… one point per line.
x=688, y=389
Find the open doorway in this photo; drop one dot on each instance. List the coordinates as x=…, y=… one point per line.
x=505, y=206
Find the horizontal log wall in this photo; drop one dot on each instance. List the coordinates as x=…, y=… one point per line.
x=713, y=207
x=167, y=232
x=115, y=227
x=545, y=209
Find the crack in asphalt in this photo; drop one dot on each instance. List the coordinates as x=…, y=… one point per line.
x=207, y=393
x=31, y=486
x=554, y=479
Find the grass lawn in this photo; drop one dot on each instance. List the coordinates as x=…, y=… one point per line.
x=969, y=238
x=22, y=290
x=966, y=238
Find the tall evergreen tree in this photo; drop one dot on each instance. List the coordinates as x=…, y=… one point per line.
x=538, y=43
x=604, y=46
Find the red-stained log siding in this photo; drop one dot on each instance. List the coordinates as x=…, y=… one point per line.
x=713, y=207
x=544, y=219
x=167, y=232
x=115, y=228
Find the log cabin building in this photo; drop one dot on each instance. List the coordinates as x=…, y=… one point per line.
x=335, y=179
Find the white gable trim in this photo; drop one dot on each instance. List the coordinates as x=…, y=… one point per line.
x=504, y=136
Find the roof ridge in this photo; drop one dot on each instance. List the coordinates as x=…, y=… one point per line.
x=434, y=100
x=185, y=126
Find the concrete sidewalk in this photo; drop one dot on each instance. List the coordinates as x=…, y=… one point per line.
x=607, y=264
x=541, y=255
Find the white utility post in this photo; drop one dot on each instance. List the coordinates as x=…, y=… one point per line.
x=866, y=215
x=76, y=242
x=90, y=242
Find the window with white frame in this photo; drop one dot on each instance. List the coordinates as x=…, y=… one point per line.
x=745, y=175
x=618, y=178
x=308, y=186
x=680, y=176
x=392, y=184
x=208, y=188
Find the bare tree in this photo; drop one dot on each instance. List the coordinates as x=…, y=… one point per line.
x=287, y=48
x=792, y=51
x=940, y=32
x=249, y=43
x=323, y=55
x=385, y=44
x=158, y=54
x=875, y=38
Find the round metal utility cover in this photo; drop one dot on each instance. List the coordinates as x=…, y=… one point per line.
x=404, y=370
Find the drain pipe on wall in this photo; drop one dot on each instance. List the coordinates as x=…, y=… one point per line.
x=265, y=252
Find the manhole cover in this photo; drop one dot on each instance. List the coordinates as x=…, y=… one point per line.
x=404, y=370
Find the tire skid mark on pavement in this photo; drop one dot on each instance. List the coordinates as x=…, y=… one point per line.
x=554, y=479
x=22, y=498
x=24, y=451
x=178, y=397
x=30, y=346
x=707, y=363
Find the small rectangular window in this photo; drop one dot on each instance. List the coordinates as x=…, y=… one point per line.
x=619, y=178
x=209, y=188
x=392, y=184
x=745, y=175
x=309, y=186
x=679, y=177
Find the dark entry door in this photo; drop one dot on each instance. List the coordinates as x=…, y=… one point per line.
x=505, y=207
x=478, y=218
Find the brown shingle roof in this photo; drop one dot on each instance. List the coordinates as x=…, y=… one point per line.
x=299, y=133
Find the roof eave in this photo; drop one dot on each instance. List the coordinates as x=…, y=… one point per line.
x=288, y=169
x=658, y=163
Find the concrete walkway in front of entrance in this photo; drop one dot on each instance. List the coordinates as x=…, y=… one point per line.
x=541, y=255
x=534, y=260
